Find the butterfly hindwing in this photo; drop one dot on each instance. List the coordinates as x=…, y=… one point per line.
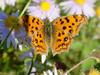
x=61, y=41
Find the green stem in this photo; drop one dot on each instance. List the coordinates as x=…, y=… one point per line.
x=67, y=72
x=6, y=37
x=25, y=8
x=32, y=63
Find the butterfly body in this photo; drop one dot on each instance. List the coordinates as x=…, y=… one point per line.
x=58, y=35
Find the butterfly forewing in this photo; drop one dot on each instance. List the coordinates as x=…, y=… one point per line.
x=35, y=30
x=39, y=42
x=64, y=29
x=70, y=24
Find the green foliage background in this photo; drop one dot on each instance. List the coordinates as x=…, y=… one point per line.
x=82, y=47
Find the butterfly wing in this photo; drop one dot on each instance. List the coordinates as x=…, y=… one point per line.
x=61, y=41
x=70, y=24
x=64, y=29
x=36, y=30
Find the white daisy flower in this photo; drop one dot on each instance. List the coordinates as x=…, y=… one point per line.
x=79, y=7
x=3, y=3
x=44, y=9
x=10, y=2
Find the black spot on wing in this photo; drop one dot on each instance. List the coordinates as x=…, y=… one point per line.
x=58, y=40
x=32, y=27
x=32, y=31
x=70, y=31
x=70, y=27
x=33, y=20
x=36, y=40
x=59, y=34
x=29, y=24
x=37, y=22
x=41, y=41
x=66, y=38
x=67, y=20
x=75, y=17
x=62, y=22
x=73, y=24
x=36, y=28
x=63, y=33
x=64, y=27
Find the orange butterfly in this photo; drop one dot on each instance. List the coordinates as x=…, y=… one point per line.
x=62, y=30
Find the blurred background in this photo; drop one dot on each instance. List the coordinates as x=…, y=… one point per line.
x=16, y=55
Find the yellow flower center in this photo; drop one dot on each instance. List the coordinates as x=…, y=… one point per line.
x=94, y=72
x=80, y=2
x=45, y=6
x=98, y=11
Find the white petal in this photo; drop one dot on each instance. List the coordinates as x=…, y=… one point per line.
x=66, y=5
x=55, y=71
x=32, y=74
x=35, y=11
x=33, y=69
x=50, y=72
x=72, y=10
x=2, y=4
x=10, y=2
x=14, y=40
x=43, y=58
x=88, y=11
x=65, y=73
x=53, y=13
x=37, y=1
x=20, y=47
x=91, y=1
x=45, y=73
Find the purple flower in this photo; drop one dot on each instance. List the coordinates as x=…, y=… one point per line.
x=15, y=34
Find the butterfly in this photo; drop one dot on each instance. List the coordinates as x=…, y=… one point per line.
x=61, y=32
